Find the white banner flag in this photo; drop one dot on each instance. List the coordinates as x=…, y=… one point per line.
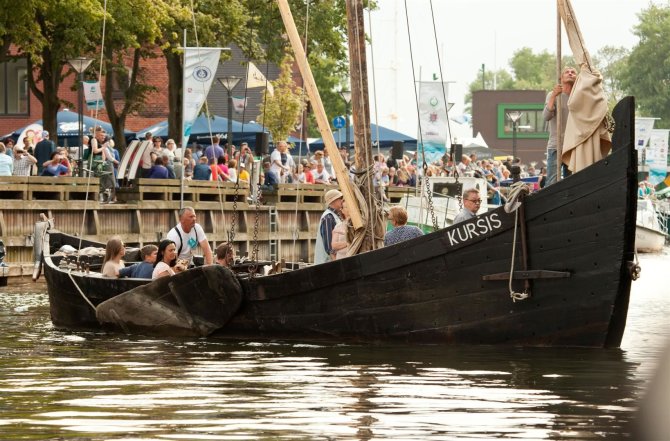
x=657, y=155
x=433, y=117
x=93, y=95
x=199, y=68
x=239, y=104
x=255, y=78
x=643, y=128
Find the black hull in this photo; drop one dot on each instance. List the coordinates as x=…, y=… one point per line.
x=67, y=306
x=431, y=289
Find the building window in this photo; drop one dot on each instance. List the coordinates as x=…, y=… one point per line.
x=531, y=125
x=14, y=87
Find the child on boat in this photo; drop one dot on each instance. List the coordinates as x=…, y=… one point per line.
x=114, y=252
x=144, y=269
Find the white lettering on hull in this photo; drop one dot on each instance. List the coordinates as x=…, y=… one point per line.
x=467, y=231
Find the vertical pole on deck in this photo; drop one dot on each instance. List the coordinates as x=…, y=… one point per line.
x=559, y=103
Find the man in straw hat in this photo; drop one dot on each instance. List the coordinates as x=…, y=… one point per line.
x=329, y=219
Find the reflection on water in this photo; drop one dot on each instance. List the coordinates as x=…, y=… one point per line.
x=90, y=386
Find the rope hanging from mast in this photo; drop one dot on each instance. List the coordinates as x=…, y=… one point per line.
x=418, y=114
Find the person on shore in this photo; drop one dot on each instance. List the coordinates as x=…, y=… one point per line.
x=225, y=254
x=564, y=89
x=244, y=174
x=214, y=151
x=282, y=161
x=401, y=231
x=159, y=170
x=54, y=167
x=270, y=180
x=340, y=244
x=471, y=203
x=147, y=161
x=23, y=162
x=187, y=235
x=144, y=269
x=323, y=252
x=9, y=144
x=320, y=175
x=44, y=151
x=202, y=171
x=166, y=260
x=114, y=252
x=6, y=161
x=104, y=160
x=188, y=164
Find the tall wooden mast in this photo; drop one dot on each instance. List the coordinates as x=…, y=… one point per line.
x=358, y=72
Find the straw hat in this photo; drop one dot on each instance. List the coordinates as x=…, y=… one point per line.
x=332, y=195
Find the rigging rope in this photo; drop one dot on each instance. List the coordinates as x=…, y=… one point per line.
x=418, y=114
x=513, y=204
x=97, y=109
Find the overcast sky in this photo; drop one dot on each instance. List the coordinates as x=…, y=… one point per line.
x=472, y=33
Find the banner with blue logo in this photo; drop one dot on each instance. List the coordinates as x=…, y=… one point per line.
x=200, y=66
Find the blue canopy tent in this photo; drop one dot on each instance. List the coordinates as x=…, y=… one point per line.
x=200, y=131
x=386, y=138
x=67, y=124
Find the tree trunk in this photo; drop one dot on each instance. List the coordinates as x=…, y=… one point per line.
x=175, y=79
x=50, y=71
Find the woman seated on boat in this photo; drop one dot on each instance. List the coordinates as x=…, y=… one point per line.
x=166, y=260
x=114, y=252
x=400, y=232
x=340, y=242
x=225, y=254
x=144, y=269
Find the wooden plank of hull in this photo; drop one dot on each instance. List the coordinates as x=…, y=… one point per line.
x=431, y=289
x=194, y=303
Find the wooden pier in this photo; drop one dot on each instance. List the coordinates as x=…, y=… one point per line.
x=283, y=227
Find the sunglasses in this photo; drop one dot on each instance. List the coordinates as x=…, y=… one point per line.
x=476, y=201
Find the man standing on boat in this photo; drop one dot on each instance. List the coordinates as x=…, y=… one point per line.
x=563, y=89
x=187, y=235
x=471, y=203
x=323, y=251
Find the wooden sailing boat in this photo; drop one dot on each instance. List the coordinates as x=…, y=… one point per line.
x=557, y=272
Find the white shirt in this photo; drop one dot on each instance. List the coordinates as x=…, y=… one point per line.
x=191, y=240
x=161, y=267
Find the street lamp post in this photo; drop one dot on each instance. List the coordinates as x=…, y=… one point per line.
x=80, y=64
x=515, y=116
x=229, y=84
x=346, y=96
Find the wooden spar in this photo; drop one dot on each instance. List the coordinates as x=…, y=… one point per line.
x=559, y=104
x=319, y=112
x=360, y=104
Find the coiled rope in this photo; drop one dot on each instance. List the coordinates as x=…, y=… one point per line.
x=513, y=203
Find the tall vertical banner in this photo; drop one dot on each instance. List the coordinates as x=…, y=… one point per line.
x=433, y=120
x=93, y=95
x=199, y=68
x=643, y=128
x=657, y=155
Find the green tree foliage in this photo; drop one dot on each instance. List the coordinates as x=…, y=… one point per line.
x=646, y=74
x=130, y=42
x=612, y=63
x=281, y=112
x=49, y=33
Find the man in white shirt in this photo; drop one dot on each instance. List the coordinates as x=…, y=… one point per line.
x=187, y=235
x=321, y=176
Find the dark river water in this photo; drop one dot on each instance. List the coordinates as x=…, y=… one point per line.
x=85, y=386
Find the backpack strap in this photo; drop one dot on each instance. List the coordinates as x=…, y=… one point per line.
x=181, y=241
